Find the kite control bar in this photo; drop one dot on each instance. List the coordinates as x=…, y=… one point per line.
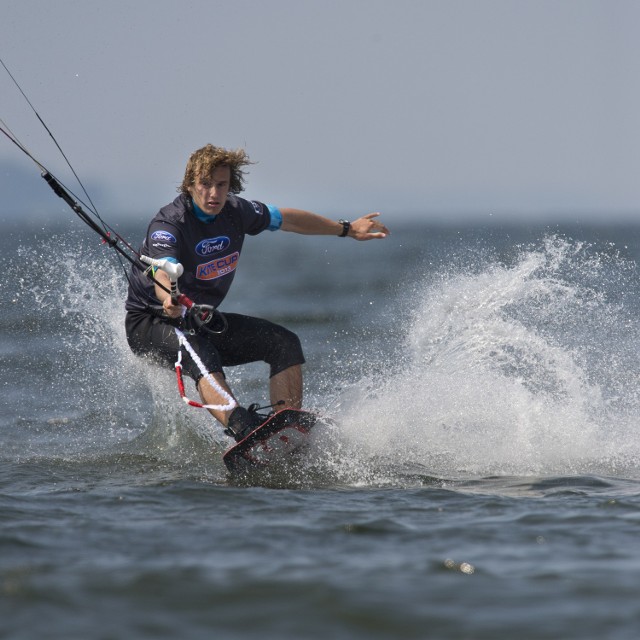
x=200, y=314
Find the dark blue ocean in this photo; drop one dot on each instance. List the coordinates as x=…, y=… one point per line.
x=480, y=478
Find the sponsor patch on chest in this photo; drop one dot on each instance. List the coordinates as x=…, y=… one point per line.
x=218, y=267
x=212, y=245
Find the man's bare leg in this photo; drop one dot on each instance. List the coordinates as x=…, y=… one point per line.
x=210, y=396
x=287, y=386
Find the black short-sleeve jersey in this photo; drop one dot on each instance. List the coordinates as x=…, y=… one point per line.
x=208, y=250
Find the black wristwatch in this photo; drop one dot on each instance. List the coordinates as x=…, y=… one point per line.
x=346, y=225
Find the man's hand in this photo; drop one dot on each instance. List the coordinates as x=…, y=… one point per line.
x=368, y=228
x=171, y=310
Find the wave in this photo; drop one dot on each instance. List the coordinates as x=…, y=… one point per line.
x=524, y=364
x=528, y=368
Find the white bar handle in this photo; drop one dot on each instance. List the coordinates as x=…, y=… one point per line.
x=173, y=269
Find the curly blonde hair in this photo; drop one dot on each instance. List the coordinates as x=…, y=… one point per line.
x=204, y=161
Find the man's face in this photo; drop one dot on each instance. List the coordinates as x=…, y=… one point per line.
x=210, y=192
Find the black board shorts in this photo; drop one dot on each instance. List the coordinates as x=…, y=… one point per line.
x=246, y=339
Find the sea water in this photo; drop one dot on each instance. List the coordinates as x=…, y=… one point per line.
x=477, y=476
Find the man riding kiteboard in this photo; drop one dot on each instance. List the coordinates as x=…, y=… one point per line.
x=203, y=230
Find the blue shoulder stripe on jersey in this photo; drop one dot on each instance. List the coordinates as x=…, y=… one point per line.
x=276, y=217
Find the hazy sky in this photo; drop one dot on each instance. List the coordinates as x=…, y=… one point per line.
x=509, y=108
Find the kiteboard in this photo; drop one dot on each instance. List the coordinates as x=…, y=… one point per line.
x=282, y=435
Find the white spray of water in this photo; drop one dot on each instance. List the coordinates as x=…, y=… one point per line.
x=112, y=398
x=522, y=370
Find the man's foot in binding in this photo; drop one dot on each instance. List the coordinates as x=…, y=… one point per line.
x=243, y=421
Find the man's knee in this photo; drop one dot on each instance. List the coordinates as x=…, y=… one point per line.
x=285, y=350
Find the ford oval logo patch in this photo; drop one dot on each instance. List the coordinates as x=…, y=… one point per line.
x=163, y=236
x=212, y=245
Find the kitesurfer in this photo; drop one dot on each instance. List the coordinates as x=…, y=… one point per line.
x=204, y=229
